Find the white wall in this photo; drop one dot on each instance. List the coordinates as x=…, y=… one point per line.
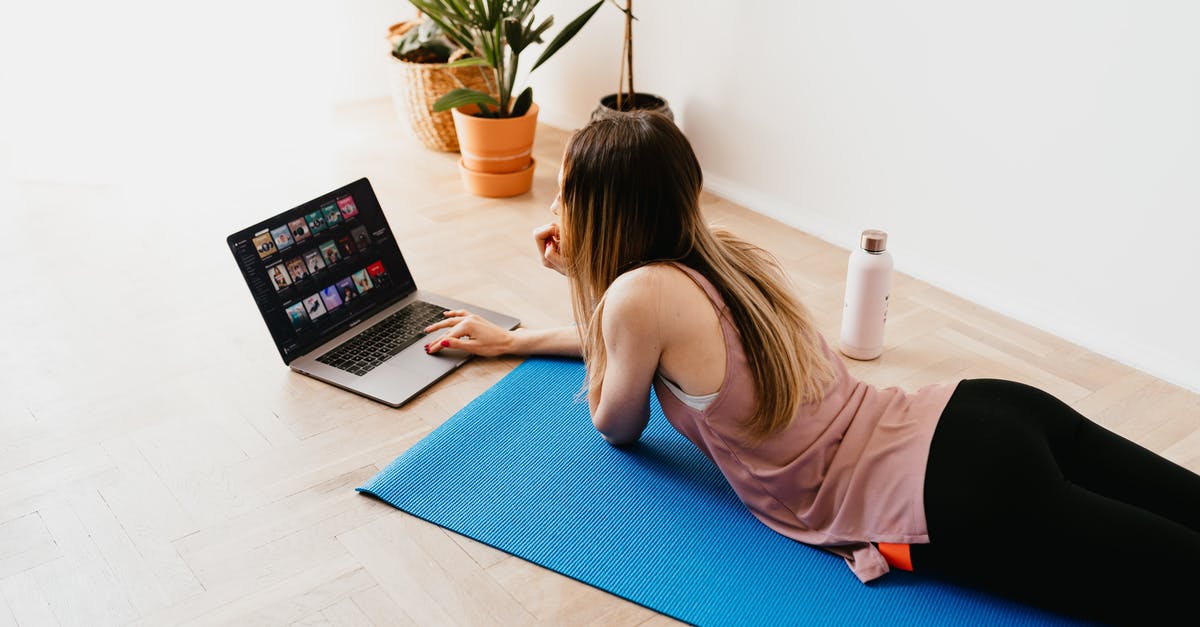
x=1041, y=158
x=141, y=89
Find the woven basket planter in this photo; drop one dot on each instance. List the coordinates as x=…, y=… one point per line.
x=416, y=86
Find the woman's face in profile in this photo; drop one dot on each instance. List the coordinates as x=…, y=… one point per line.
x=556, y=210
x=556, y=206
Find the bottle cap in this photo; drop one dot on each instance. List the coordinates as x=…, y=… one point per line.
x=874, y=241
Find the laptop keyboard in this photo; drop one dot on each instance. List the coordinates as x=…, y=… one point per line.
x=384, y=339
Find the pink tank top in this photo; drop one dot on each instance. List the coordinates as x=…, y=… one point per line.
x=847, y=472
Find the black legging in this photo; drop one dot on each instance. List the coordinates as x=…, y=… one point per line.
x=1027, y=498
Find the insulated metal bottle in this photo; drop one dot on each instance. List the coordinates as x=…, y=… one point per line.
x=868, y=288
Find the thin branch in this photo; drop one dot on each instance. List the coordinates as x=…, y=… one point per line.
x=454, y=77
x=503, y=85
x=629, y=47
x=485, y=72
x=625, y=58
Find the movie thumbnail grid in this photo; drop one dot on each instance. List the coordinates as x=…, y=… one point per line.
x=267, y=242
x=313, y=262
x=310, y=309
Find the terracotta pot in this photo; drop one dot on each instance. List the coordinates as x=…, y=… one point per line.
x=493, y=185
x=641, y=101
x=495, y=145
x=417, y=84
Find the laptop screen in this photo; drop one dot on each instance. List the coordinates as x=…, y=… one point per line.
x=318, y=269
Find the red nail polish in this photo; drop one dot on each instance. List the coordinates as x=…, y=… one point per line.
x=426, y=348
x=445, y=343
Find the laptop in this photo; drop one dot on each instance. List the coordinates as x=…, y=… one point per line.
x=339, y=301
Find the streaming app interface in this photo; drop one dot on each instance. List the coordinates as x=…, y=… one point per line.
x=320, y=268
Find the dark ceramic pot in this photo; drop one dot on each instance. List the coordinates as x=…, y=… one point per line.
x=641, y=101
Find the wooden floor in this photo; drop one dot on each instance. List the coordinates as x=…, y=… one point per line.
x=160, y=465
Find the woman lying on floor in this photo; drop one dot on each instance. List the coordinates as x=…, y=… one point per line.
x=987, y=483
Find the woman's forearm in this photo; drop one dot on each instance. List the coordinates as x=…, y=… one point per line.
x=562, y=341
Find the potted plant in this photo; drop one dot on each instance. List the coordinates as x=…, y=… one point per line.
x=496, y=125
x=626, y=99
x=419, y=76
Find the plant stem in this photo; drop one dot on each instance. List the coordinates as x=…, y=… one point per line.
x=504, y=85
x=624, y=58
x=512, y=74
x=487, y=80
x=629, y=48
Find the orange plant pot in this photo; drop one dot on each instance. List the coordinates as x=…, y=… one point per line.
x=495, y=145
x=497, y=185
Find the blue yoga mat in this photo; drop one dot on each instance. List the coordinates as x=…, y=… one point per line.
x=521, y=468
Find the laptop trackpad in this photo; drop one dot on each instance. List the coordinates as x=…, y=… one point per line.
x=433, y=365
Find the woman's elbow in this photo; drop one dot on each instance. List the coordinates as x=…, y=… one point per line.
x=619, y=434
x=620, y=442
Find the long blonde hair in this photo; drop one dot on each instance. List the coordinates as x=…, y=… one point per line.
x=631, y=196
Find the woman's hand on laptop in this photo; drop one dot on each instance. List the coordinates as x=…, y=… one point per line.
x=547, y=239
x=469, y=332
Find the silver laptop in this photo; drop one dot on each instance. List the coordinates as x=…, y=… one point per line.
x=340, y=302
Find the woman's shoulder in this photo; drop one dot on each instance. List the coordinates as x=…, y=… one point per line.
x=654, y=280
x=633, y=301
x=659, y=305
x=660, y=290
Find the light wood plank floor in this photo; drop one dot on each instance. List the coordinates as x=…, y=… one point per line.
x=160, y=465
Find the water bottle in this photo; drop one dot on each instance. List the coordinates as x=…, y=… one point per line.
x=868, y=288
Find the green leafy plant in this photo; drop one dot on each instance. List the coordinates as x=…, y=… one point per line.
x=424, y=43
x=496, y=32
